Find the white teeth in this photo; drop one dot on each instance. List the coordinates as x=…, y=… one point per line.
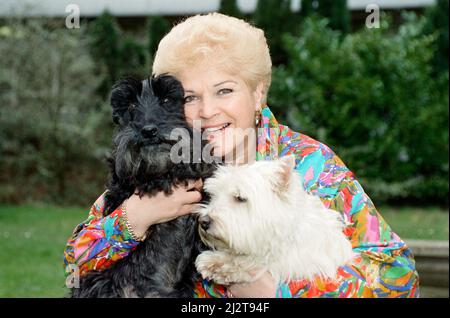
x=210, y=130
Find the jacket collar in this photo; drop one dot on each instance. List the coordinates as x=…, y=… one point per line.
x=268, y=136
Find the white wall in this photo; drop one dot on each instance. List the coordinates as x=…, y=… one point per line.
x=163, y=7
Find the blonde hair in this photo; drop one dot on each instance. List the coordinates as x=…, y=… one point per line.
x=231, y=44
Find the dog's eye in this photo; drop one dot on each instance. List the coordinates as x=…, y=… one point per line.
x=166, y=100
x=239, y=198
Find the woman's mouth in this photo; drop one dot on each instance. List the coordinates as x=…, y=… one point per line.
x=211, y=130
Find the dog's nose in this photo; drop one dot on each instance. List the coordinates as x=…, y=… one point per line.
x=149, y=131
x=205, y=222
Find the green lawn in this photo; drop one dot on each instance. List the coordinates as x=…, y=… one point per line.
x=31, y=254
x=417, y=223
x=33, y=239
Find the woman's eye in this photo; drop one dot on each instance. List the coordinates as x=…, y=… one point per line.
x=225, y=91
x=189, y=99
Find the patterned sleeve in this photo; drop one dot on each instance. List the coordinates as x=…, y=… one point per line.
x=99, y=241
x=384, y=265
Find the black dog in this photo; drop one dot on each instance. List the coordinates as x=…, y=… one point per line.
x=163, y=264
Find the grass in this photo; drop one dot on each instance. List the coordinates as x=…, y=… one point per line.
x=31, y=255
x=33, y=239
x=429, y=223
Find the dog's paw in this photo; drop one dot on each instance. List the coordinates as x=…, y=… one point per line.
x=221, y=268
x=208, y=263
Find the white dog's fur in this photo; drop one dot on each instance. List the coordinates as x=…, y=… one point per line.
x=262, y=218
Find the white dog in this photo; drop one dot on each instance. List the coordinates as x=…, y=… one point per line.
x=260, y=217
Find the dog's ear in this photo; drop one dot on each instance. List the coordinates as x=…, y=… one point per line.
x=124, y=96
x=288, y=166
x=167, y=89
x=284, y=172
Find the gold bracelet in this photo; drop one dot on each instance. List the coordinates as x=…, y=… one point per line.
x=128, y=225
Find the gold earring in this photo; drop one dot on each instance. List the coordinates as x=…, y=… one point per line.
x=258, y=117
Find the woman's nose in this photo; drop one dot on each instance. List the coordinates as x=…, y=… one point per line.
x=208, y=108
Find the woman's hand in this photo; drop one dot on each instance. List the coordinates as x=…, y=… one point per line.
x=146, y=211
x=264, y=286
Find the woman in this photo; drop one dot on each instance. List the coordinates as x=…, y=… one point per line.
x=225, y=68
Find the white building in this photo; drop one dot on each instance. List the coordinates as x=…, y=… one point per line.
x=136, y=8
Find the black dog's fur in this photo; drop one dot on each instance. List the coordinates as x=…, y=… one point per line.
x=162, y=265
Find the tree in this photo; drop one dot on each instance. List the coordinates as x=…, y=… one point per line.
x=336, y=11
x=51, y=124
x=116, y=53
x=104, y=33
x=133, y=58
x=275, y=18
x=308, y=7
x=437, y=21
x=157, y=27
x=371, y=97
x=230, y=7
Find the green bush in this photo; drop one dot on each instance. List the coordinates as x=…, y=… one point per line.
x=370, y=96
x=104, y=45
x=437, y=22
x=268, y=16
x=373, y=96
x=157, y=27
x=51, y=119
x=117, y=54
x=336, y=11
x=133, y=57
x=230, y=7
x=55, y=125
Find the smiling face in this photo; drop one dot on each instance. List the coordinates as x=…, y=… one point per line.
x=226, y=106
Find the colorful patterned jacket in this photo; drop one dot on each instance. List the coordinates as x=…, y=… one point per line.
x=384, y=265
